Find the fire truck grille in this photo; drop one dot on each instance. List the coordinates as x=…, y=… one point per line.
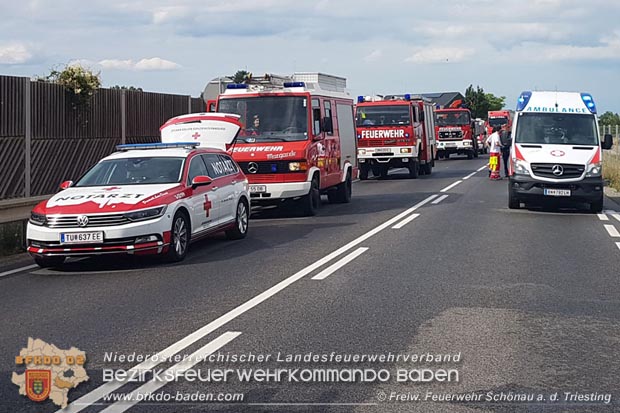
x=71, y=221
x=265, y=167
x=562, y=170
x=451, y=135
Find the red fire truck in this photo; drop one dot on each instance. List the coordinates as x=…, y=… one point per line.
x=499, y=118
x=298, y=140
x=396, y=131
x=455, y=133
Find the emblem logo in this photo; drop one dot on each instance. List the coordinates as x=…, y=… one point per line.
x=557, y=153
x=38, y=384
x=82, y=220
x=252, y=167
x=557, y=170
x=250, y=140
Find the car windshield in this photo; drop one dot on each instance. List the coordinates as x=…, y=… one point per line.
x=394, y=115
x=458, y=118
x=134, y=171
x=498, y=121
x=556, y=129
x=270, y=118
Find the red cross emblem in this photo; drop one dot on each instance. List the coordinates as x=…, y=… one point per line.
x=196, y=135
x=207, y=205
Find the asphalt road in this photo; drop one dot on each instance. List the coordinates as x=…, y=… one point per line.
x=527, y=303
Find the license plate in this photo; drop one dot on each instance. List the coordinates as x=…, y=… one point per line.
x=258, y=188
x=81, y=237
x=383, y=150
x=557, y=192
x=451, y=144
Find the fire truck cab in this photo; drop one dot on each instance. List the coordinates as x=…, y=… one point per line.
x=298, y=139
x=396, y=131
x=499, y=118
x=455, y=133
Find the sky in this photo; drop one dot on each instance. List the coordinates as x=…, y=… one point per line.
x=381, y=47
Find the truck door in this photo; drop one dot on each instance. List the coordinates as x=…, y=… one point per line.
x=346, y=134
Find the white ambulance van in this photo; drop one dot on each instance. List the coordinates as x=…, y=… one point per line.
x=556, y=151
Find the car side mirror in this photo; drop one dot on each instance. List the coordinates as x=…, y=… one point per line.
x=608, y=141
x=66, y=184
x=201, y=180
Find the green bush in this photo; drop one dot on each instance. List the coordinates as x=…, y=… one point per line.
x=82, y=82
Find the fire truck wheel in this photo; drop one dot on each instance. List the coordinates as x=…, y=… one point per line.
x=342, y=193
x=312, y=201
x=49, y=262
x=240, y=229
x=364, y=169
x=470, y=155
x=414, y=169
x=427, y=168
x=376, y=171
x=476, y=153
x=179, y=237
x=384, y=170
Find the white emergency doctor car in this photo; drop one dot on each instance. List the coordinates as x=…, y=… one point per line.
x=556, y=152
x=148, y=198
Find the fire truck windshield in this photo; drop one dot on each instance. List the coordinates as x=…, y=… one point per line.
x=382, y=115
x=556, y=129
x=497, y=121
x=269, y=118
x=459, y=118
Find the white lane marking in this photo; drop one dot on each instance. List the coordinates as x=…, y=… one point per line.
x=405, y=221
x=339, y=264
x=616, y=216
x=190, y=339
x=618, y=245
x=179, y=368
x=603, y=217
x=449, y=187
x=27, y=267
x=470, y=175
x=482, y=168
x=438, y=200
x=612, y=231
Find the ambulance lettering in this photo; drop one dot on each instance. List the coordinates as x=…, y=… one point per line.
x=383, y=133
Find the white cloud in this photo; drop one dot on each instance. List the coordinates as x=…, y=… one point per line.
x=607, y=49
x=373, y=56
x=14, y=54
x=441, y=55
x=152, y=64
x=167, y=14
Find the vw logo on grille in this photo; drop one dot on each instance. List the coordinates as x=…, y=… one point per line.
x=557, y=170
x=252, y=167
x=82, y=220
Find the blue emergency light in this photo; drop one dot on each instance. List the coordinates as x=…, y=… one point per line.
x=360, y=99
x=587, y=99
x=294, y=84
x=236, y=86
x=134, y=146
x=407, y=96
x=523, y=100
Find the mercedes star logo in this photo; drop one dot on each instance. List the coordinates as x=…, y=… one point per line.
x=82, y=220
x=557, y=170
x=252, y=167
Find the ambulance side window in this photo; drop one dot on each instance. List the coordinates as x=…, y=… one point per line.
x=316, y=117
x=197, y=167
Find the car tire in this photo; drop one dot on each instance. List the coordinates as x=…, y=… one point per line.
x=513, y=200
x=364, y=172
x=242, y=220
x=342, y=193
x=49, y=262
x=597, y=206
x=180, y=236
x=312, y=201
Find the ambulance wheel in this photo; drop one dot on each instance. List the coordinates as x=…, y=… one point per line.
x=311, y=202
x=49, y=262
x=513, y=201
x=597, y=206
x=179, y=237
x=242, y=219
x=414, y=169
x=342, y=193
x=364, y=172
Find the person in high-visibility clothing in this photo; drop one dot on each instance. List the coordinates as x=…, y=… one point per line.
x=495, y=149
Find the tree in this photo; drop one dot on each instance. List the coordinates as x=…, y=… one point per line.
x=80, y=81
x=129, y=88
x=495, y=102
x=609, y=118
x=476, y=101
x=242, y=76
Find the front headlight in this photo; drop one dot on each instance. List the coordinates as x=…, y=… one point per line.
x=361, y=151
x=297, y=166
x=37, y=219
x=145, y=214
x=520, y=167
x=594, y=170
